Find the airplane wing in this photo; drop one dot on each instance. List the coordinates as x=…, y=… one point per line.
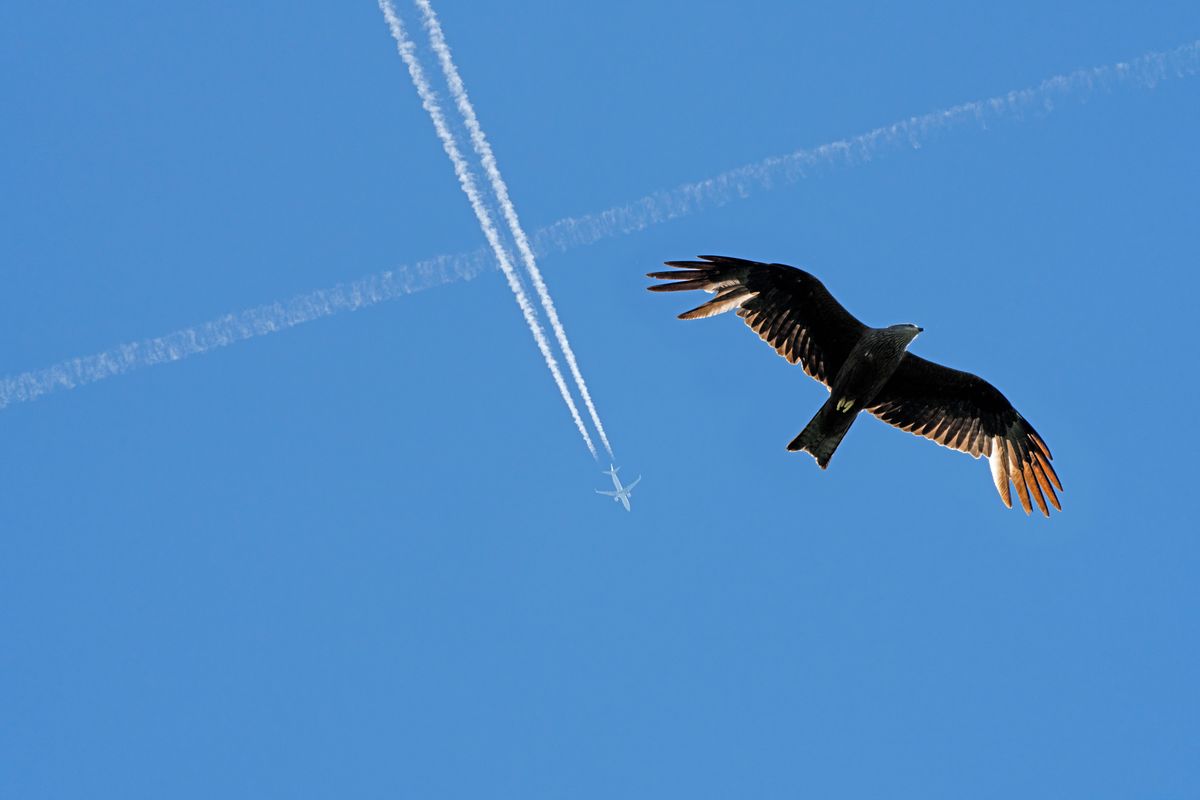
x=635, y=483
x=610, y=494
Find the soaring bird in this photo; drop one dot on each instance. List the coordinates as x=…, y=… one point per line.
x=869, y=369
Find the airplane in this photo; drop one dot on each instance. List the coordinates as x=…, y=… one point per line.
x=622, y=492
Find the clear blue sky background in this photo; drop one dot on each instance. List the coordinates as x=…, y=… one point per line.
x=363, y=558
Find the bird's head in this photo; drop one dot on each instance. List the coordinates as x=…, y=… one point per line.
x=906, y=330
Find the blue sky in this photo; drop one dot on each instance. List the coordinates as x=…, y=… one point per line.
x=363, y=557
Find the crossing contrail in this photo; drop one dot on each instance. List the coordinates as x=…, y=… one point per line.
x=1144, y=72
x=483, y=149
x=466, y=179
x=246, y=324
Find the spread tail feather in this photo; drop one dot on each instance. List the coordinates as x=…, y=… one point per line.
x=825, y=431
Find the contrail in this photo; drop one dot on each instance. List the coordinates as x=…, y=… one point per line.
x=1144, y=72
x=242, y=325
x=484, y=150
x=467, y=180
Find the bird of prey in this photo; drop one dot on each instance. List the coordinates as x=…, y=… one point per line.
x=868, y=369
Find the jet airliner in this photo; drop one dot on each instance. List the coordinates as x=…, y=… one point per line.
x=622, y=492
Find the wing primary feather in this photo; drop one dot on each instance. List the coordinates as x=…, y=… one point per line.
x=678, y=274
x=1018, y=477
x=681, y=286
x=1050, y=473
x=719, y=304
x=1038, y=441
x=727, y=261
x=1035, y=490
x=999, y=464
x=1046, y=488
x=698, y=265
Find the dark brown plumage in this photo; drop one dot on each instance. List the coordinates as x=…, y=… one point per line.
x=868, y=369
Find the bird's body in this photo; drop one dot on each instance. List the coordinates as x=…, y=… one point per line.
x=872, y=360
x=870, y=369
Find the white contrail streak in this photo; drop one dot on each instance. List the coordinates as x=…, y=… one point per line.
x=1144, y=72
x=467, y=180
x=246, y=324
x=483, y=149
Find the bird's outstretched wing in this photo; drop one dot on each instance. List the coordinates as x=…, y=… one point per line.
x=964, y=412
x=787, y=307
